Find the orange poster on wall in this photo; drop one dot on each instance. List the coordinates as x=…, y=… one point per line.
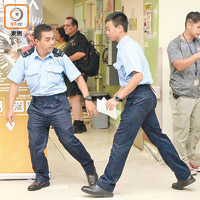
x=14, y=152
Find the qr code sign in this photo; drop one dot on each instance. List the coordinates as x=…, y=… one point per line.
x=1, y=106
x=19, y=106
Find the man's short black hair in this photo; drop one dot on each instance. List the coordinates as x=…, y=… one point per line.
x=118, y=18
x=41, y=28
x=192, y=17
x=74, y=21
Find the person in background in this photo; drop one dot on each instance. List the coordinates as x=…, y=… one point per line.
x=184, y=59
x=61, y=38
x=139, y=111
x=43, y=68
x=76, y=50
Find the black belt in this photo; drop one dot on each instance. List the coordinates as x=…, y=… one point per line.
x=41, y=98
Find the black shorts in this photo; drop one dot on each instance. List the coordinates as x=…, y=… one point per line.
x=72, y=87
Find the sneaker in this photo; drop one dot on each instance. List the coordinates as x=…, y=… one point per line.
x=79, y=126
x=195, y=166
x=77, y=129
x=193, y=172
x=83, y=127
x=80, y=129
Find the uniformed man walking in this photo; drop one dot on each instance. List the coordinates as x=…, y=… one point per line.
x=139, y=111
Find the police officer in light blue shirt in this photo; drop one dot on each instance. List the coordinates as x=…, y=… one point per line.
x=44, y=77
x=43, y=69
x=139, y=111
x=127, y=50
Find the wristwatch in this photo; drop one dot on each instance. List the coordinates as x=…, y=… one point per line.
x=118, y=99
x=88, y=98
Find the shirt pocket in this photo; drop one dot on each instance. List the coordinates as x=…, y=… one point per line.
x=116, y=66
x=120, y=69
x=54, y=74
x=31, y=77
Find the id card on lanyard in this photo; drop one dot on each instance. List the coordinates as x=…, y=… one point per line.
x=196, y=80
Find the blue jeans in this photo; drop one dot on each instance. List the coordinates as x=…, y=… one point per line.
x=139, y=112
x=53, y=110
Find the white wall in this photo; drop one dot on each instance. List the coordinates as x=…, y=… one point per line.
x=139, y=14
x=55, y=11
x=171, y=24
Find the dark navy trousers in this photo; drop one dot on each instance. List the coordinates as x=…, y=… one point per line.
x=139, y=112
x=53, y=110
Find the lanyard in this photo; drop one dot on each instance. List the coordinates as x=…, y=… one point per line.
x=196, y=70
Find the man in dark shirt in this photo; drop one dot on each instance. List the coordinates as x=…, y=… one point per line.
x=76, y=51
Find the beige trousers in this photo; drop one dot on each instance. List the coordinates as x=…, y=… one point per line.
x=186, y=126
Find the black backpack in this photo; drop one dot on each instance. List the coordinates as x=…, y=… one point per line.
x=89, y=64
x=93, y=58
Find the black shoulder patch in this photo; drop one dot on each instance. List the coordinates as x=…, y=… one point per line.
x=58, y=52
x=27, y=53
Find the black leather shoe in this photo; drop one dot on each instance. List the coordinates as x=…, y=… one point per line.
x=92, y=178
x=37, y=186
x=96, y=191
x=181, y=184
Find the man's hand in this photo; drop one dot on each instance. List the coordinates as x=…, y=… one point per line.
x=10, y=117
x=111, y=104
x=91, y=108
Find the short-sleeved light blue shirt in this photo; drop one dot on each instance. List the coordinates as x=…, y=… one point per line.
x=44, y=77
x=131, y=58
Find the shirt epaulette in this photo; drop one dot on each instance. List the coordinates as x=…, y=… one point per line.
x=58, y=52
x=27, y=53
